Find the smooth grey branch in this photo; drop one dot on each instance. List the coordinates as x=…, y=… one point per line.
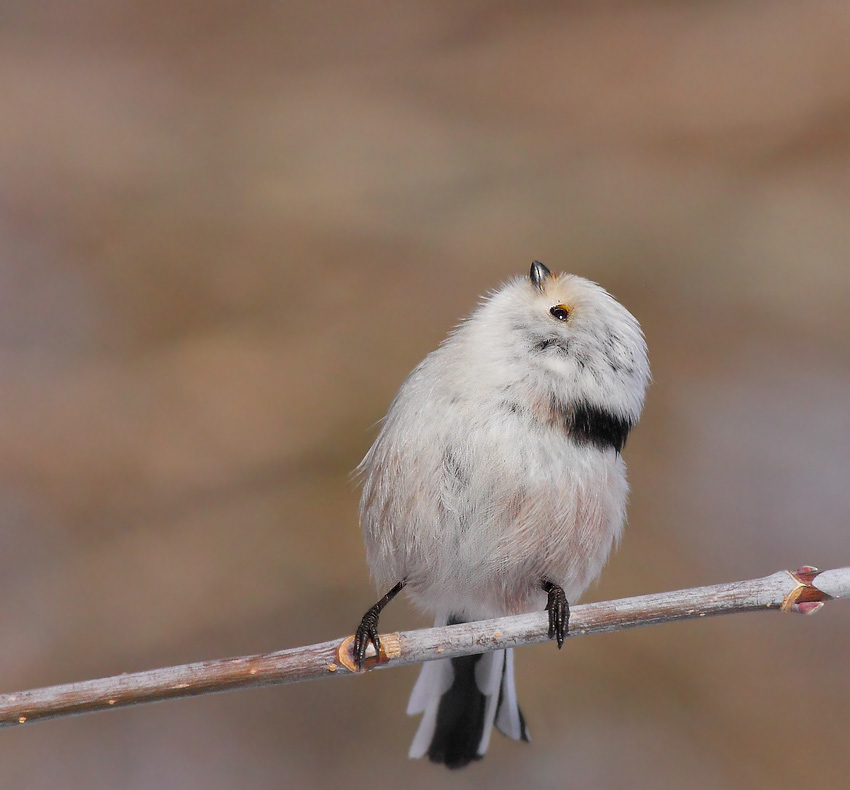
x=802, y=591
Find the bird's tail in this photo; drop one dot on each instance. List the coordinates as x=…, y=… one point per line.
x=462, y=698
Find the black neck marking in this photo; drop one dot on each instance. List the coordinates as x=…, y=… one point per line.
x=593, y=425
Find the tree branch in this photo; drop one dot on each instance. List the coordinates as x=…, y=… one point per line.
x=802, y=591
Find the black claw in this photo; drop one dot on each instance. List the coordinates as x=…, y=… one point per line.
x=559, y=612
x=367, y=631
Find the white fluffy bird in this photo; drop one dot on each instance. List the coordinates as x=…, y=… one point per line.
x=496, y=486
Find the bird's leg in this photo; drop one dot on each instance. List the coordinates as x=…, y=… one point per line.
x=367, y=631
x=559, y=612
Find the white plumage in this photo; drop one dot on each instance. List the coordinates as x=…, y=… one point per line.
x=497, y=470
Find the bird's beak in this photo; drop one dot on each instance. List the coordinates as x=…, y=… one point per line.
x=538, y=275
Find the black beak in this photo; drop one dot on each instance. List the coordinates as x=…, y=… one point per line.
x=538, y=275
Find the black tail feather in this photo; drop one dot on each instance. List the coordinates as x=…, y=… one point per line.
x=479, y=694
x=460, y=718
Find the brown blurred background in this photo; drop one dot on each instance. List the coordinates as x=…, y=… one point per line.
x=229, y=230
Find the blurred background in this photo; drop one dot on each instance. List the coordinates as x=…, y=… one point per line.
x=229, y=230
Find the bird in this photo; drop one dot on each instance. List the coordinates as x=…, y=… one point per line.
x=496, y=487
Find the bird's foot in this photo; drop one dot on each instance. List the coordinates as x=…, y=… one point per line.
x=559, y=612
x=366, y=633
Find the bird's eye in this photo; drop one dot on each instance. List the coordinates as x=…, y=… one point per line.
x=560, y=311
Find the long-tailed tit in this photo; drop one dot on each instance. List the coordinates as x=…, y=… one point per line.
x=496, y=486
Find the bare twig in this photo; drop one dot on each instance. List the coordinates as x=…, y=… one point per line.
x=802, y=591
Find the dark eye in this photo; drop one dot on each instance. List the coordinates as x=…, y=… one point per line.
x=560, y=311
